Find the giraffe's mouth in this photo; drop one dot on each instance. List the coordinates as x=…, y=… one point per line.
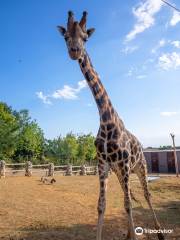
x=75, y=54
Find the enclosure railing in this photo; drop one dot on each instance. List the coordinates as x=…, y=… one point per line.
x=49, y=169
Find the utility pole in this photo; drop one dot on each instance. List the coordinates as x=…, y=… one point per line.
x=170, y=5
x=175, y=155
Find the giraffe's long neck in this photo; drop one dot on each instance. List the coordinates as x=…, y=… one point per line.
x=106, y=110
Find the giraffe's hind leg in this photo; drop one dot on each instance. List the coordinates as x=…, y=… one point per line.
x=141, y=172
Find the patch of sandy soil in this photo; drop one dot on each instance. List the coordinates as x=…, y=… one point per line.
x=66, y=210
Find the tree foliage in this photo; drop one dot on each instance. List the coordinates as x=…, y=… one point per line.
x=71, y=149
x=8, y=131
x=22, y=139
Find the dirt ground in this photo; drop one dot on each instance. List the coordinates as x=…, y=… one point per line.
x=30, y=210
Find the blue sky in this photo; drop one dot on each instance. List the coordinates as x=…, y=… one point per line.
x=135, y=49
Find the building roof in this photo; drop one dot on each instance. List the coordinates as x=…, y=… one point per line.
x=159, y=150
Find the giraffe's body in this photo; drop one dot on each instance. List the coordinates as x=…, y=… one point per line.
x=116, y=147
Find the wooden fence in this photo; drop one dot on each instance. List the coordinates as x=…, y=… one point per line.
x=28, y=169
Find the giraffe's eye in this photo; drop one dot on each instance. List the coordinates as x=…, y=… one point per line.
x=66, y=38
x=85, y=39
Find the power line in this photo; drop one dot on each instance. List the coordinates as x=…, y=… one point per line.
x=170, y=5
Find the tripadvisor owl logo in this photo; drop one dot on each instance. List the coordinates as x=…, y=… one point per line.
x=139, y=230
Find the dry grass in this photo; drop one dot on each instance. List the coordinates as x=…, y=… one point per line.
x=67, y=210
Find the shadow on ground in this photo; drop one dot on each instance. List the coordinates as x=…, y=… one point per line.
x=111, y=231
x=168, y=215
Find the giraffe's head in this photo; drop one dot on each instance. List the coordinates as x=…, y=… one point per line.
x=76, y=35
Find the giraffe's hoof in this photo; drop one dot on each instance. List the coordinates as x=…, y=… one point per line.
x=161, y=236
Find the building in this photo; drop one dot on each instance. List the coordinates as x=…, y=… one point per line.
x=161, y=161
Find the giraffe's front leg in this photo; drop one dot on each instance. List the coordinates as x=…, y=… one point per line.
x=124, y=181
x=103, y=180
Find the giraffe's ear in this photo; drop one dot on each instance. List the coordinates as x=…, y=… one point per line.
x=90, y=31
x=62, y=30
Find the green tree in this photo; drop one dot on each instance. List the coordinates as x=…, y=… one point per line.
x=86, y=149
x=30, y=142
x=62, y=150
x=22, y=139
x=8, y=131
x=54, y=150
x=69, y=148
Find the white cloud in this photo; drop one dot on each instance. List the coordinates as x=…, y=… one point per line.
x=169, y=60
x=164, y=42
x=43, y=97
x=175, y=18
x=141, y=76
x=66, y=92
x=176, y=44
x=130, y=72
x=82, y=84
x=161, y=44
x=129, y=49
x=144, y=14
x=168, y=114
x=150, y=60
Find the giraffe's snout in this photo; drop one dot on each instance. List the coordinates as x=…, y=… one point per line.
x=75, y=49
x=75, y=53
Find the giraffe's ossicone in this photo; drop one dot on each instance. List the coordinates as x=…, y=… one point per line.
x=116, y=147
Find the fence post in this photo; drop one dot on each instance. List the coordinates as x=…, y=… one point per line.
x=51, y=170
x=2, y=168
x=83, y=170
x=28, y=169
x=96, y=170
x=69, y=170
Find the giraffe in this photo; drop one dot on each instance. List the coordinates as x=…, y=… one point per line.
x=117, y=149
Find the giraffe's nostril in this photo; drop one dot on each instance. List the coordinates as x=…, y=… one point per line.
x=73, y=49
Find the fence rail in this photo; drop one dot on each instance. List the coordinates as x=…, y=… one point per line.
x=15, y=164
x=49, y=169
